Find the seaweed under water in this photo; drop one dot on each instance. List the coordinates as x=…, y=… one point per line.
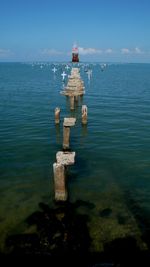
x=62, y=238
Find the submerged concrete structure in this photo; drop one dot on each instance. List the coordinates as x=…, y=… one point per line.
x=57, y=115
x=84, y=114
x=61, y=193
x=59, y=168
x=75, y=87
x=66, y=158
x=68, y=122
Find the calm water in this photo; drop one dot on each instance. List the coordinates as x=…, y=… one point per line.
x=112, y=169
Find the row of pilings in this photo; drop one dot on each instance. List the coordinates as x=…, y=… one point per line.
x=74, y=90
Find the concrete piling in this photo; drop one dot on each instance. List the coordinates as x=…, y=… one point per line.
x=75, y=87
x=68, y=122
x=65, y=157
x=73, y=90
x=76, y=98
x=57, y=115
x=59, y=168
x=72, y=102
x=60, y=182
x=84, y=114
x=66, y=137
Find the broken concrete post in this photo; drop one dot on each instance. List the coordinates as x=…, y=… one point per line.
x=57, y=115
x=68, y=122
x=66, y=158
x=75, y=87
x=63, y=159
x=76, y=98
x=84, y=114
x=61, y=193
x=72, y=102
x=66, y=137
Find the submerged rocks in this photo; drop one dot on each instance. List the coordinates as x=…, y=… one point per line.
x=60, y=231
x=62, y=236
x=105, y=212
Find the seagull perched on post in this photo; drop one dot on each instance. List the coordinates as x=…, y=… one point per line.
x=63, y=75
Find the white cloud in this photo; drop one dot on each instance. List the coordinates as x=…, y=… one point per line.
x=51, y=52
x=138, y=50
x=89, y=51
x=135, y=50
x=125, y=51
x=5, y=53
x=108, y=51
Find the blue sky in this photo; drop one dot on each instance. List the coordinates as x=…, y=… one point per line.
x=105, y=30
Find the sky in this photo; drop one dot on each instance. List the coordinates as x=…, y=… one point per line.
x=104, y=30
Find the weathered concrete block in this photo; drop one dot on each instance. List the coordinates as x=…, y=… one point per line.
x=75, y=86
x=65, y=158
x=61, y=193
x=72, y=102
x=69, y=122
x=84, y=114
x=66, y=137
x=57, y=115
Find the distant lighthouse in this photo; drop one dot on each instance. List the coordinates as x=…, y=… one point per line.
x=75, y=54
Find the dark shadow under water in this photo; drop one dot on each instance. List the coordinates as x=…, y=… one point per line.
x=62, y=238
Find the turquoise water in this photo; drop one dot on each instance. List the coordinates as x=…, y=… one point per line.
x=112, y=168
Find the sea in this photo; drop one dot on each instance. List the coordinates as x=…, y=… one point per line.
x=110, y=179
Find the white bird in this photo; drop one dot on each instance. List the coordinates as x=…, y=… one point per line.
x=89, y=73
x=67, y=67
x=63, y=75
x=54, y=69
